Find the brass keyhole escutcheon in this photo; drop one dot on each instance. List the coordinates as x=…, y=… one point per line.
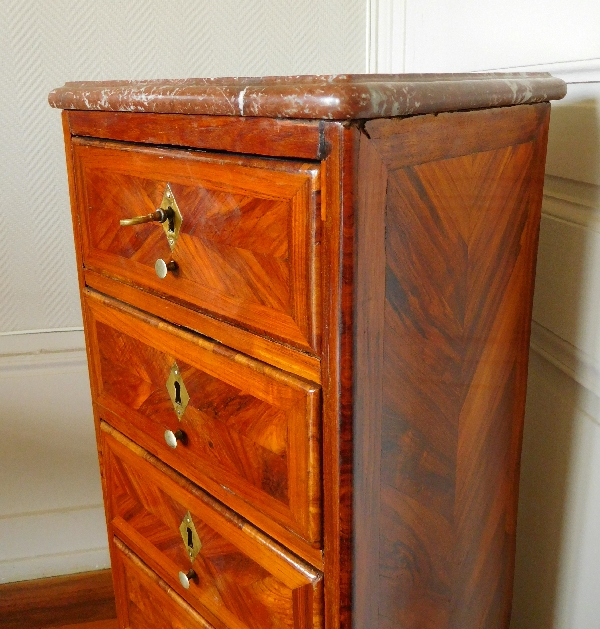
x=167, y=214
x=190, y=537
x=172, y=226
x=177, y=391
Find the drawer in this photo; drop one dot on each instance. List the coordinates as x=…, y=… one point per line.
x=241, y=578
x=250, y=431
x=145, y=600
x=247, y=250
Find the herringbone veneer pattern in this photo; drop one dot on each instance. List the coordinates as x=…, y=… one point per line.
x=250, y=437
x=242, y=579
x=445, y=285
x=440, y=424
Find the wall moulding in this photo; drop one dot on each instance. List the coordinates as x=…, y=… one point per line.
x=576, y=364
x=386, y=36
x=572, y=190
x=76, y=538
x=579, y=71
x=572, y=201
x=56, y=351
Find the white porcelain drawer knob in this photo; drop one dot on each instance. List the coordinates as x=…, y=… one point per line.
x=162, y=268
x=173, y=437
x=185, y=579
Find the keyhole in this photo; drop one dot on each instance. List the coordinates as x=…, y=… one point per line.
x=177, y=393
x=190, y=539
x=171, y=220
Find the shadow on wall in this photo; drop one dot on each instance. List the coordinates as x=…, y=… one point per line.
x=557, y=576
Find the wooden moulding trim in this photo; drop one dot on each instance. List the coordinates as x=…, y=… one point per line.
x=368, y=385
x=181, y=340
x=278, y=355
x=80, y=268
x=514, y=467
x=73, y=196
x=338, y=261
x=261, y=320
x=254, y=136
x=420, y=136
x=223, y=172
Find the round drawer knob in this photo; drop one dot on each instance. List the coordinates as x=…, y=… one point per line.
x=162, y=268
x=173, y=437
x=185, y=579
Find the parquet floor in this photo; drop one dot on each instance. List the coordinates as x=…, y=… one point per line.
x=78, y=601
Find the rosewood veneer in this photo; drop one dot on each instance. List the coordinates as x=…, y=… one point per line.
x=308, y=362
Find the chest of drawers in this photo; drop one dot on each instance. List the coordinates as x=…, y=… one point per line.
x=307, y=306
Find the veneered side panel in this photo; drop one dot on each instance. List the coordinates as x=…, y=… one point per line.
x=444, y=339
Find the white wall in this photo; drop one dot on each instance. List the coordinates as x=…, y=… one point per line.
x=51, y=508
x=51, y=521
x=557, y=581
x=558, y=555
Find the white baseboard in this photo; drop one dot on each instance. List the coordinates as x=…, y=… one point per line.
x=54, y=565
x=53, y=543
x=52, y=351
x=41, y=341
x=572, y=201
x=51, y=517
x=574, y=363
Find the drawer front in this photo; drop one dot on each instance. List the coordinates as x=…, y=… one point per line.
x=145, y=600
x=247, y=251
x=242, y=578
x=250, y=432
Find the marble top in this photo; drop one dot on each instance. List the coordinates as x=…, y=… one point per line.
x=333, y=97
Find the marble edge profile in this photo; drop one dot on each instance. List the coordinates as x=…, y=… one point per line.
x=334, y=98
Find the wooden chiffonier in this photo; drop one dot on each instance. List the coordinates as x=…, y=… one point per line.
x=307, y=307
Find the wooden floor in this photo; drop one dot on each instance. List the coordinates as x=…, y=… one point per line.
x=79, y=601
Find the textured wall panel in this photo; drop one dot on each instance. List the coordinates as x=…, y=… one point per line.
x=64, y=40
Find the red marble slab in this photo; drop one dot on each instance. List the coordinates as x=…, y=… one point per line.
x=334, y=97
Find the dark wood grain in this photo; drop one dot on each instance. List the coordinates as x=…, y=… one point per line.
x=497, y=128
x=258, y=136
x=247, y=244
x=338, y=276
x=250, y=428
x=445, y=418
x=57, y=601
x=244, y=578
x=368, y=384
